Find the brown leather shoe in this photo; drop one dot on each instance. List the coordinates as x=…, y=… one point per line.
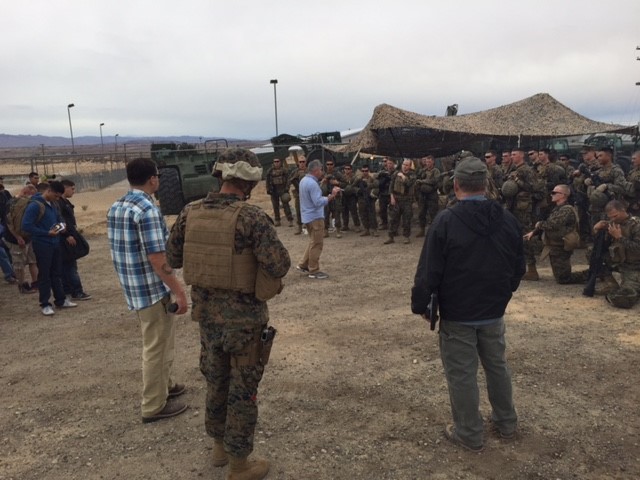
x=177, y=390
x=171, y=409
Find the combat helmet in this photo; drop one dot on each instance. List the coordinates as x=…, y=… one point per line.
x=509, y=189
x=598, y=199
x=238, y=163
x=623, y=297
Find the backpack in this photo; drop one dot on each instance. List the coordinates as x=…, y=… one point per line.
x=17, y=208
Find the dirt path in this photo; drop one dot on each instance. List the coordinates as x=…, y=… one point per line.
x=354, y=389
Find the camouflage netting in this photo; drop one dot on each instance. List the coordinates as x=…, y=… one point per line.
x=396, y=132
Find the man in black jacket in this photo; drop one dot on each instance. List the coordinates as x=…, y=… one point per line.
x=473, y=259
x=70, y=277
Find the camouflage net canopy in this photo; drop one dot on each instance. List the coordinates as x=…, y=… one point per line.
x=400, y=133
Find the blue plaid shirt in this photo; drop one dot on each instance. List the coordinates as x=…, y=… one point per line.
x=136, y=228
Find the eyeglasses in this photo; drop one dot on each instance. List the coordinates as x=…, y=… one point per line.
x=488, y=156
x=557, y=193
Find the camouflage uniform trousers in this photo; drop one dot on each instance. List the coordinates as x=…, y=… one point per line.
x=350, y=207
x=383, y=206
x=560, y=261
x=630, y=276
x=232, y=388
x=428, y=203
x=275, y=202
x=402, y=210
x=367, y=211
x=525, y=217
x=333, y=210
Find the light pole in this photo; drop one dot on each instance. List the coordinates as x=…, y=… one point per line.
x=116, y=137
x=73, y=146
x=101, y=142
x=274, y=82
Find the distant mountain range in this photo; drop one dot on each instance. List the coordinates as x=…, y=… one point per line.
x=19, y=141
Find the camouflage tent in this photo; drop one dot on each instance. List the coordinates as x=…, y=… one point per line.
x=396, y=132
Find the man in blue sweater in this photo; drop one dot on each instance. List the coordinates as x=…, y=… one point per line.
x=43, y=222
x=312, y=205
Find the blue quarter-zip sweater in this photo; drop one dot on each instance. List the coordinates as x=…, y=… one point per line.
x=39, y=229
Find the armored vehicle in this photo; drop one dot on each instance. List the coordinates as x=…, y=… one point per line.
x=185, y=172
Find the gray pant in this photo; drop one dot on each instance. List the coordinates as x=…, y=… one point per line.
x=460, y=347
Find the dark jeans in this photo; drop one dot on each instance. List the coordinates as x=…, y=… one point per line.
x=460, y=347
x=5, y=264
x=70, y=278
x=49, y=272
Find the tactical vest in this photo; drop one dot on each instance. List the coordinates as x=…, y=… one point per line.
x=555, y=237
x=210, y=260
x=278, y=177
x=400, y=188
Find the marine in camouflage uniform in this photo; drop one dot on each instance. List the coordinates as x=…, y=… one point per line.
x=624, y=250
x=607, y=181
x=295, y=176
x=633, y=177
x=332, y=178
x=549, y=175
x=427, y=180
x=350, y=199
x=401, y=207
x=384, y=196
x=277, y=184
x=231, y=319
x=367, y=193
x=561, y=221
x=521, y=205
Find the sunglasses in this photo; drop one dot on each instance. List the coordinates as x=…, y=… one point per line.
x=557, y=193
x=488, y=156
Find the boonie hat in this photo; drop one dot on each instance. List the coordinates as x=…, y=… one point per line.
x=470, y=168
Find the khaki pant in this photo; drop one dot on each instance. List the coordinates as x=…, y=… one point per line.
x=311, y=259
x=158, y=343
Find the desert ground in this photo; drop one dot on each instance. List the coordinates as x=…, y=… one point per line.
x=354, y=388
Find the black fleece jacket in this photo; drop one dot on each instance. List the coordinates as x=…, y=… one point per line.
x=473, y=258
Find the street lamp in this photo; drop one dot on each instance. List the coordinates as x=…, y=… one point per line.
x=73, y=146
x=116, y=137
x=101, y=142
x=274, y=82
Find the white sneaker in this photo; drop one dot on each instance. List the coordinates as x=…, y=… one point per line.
x=48, y=310
x=68, y=304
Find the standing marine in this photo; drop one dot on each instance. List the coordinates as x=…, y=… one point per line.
x=232, y=258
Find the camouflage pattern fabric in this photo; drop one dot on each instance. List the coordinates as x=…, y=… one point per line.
x=350, y=201
x=335, y=207
x=230, y=325
x=277, y=183
x=634, y=200
x=560, y=261
x=367, y=203
x=522, y=207
x=427, y=182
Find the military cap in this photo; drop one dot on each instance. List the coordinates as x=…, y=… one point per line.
x=470, y=168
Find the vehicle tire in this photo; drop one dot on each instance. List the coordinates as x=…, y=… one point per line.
x=170, y=192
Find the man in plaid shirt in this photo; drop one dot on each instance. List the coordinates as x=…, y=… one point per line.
x=137, y=237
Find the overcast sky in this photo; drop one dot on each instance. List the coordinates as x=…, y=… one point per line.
x=202, y=67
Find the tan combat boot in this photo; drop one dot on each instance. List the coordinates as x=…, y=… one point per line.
x=374, y=233
x=338, y=233
x=220, y=458
x=389, y=240
x=277, y=223
x=298, y=230
x=366, y=233
x=420, y=234
x=242, y=469
x=532, y=273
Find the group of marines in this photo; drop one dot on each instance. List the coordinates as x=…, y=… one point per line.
x=549, y=194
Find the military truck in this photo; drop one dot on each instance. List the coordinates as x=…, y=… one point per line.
x=312, y=146
x=185, y=172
